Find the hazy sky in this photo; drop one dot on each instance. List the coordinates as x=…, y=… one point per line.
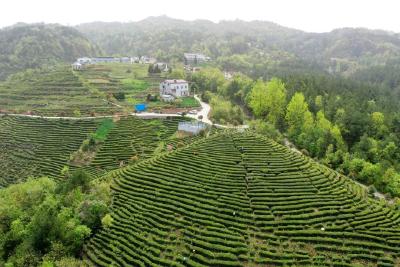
x=308, y=15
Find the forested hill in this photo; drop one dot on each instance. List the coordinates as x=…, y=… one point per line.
x=239, y=44
x=257, y=48
x=25, y=46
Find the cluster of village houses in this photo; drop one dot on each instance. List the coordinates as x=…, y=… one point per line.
x=169, y=89
x=80, y=63
x=190, y=59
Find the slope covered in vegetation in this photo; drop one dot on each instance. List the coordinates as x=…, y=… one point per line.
x=265, y=47
x=132, y=140
x=27, y=46
x=52, y=193
x=238, y=199
x=38, y=147
x=55, y=91
x=35, y=147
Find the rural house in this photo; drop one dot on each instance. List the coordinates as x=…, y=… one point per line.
x=147, y=60
x=194, y=58
x=84, y=60
x=162, y=66
x=176, y=88
x=77, y=66
x=105, y=60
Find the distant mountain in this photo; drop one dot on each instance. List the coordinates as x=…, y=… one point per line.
x=166, y=35
x=258, y=48
x=25, y=46
x=341, y=51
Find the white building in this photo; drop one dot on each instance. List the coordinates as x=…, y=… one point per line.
x=77, y=66
x=162, y=66
x=167, y=98
x=135, y=60
x=84, y=60
x=176, y=88
x=96, y=60
x=147, y=60
x=125, y=60
x=101, y=60
x=195, y=58
x=192, y=127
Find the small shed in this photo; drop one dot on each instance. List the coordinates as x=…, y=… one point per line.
x=167, y=98
x=77, y=66
x=193, y=127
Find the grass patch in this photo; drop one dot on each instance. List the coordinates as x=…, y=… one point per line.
x=104, y=128
x=188, y=102
x=133, y=84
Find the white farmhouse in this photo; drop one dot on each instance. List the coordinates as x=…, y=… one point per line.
x=84, y=60
x=176, y=88
x=195, y=58
x=76, y=66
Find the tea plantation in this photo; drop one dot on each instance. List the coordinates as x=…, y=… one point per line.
x=239, y=199
x=133, y=140
x=53, y=92
x=38, y=147
x=42, y=147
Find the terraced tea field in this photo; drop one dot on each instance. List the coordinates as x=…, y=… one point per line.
x=130, y=79
x=97, y=90
x=42, y=147
x=238, y=199
x=54, y=92
x=133, y=140
x=38, y=147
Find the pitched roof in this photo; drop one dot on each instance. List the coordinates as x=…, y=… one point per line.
x=175, y=81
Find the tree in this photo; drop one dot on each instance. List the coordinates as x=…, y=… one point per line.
x=156, y=69
x=378, y=126
x=177, y=74
x=257, y=99
x=209, y=79
x=337, y=136
x=391, y=180
x=77, y=113
x=276, y=100
x=298, y=117
x=120, y=96
x=150, y=69
x=319, y=104
x=321, y=134
x=78, y=178
x=239, y=88
x=107, y=221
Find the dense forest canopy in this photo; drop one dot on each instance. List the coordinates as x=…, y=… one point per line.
x=24, y=46
x=257, y=48
x=238, y=44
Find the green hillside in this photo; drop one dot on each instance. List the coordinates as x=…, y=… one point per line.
x=133, y=140
x=265, y=47
x=239, y=199
x=27, y=46
x=35, y=147
x=55, y=91
x=38, y=147
x=100, y=89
